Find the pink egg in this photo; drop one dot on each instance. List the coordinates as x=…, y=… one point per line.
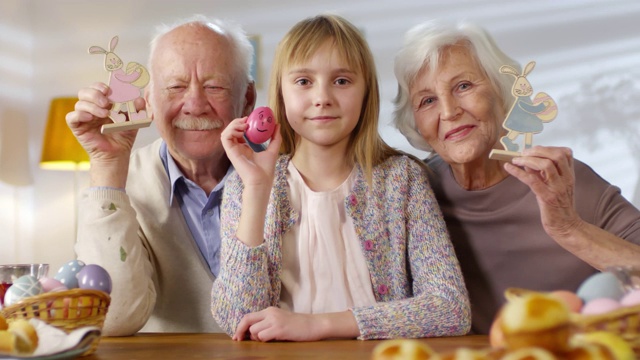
x=261, y=125
x=600, y=306
x=631, y=298
x=51, y=285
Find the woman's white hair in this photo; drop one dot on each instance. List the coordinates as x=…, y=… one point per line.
x=242, y=50
x=423, y=45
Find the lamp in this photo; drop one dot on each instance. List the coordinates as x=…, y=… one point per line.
x=60, y=149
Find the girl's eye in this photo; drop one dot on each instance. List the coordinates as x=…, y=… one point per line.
x=342, y=81
x=302, y=82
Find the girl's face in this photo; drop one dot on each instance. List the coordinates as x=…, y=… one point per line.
x=323, y=98
x=456, y=109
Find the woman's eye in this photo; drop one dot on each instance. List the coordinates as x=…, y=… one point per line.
x=464, y=86
x=427, y=101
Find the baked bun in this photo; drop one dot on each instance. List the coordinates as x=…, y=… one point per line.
x=403, y=349
x=7, y=342
x=26, y=334
x=536, y=320
x=3, y=323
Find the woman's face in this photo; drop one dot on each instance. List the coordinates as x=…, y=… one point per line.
x=456, y=109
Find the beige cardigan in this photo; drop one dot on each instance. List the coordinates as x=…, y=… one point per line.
x=161, y=282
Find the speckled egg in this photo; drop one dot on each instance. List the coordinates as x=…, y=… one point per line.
x=23, y=287
x=94, y=277
x=51, y=285
x=67, y=274
x=601, y=285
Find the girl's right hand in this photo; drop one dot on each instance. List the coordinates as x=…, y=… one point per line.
x=255, y=169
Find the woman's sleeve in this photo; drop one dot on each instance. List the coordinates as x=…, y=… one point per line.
x=243, y=284
x=440, y=302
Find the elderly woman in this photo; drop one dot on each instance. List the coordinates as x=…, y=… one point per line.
x=543, y=221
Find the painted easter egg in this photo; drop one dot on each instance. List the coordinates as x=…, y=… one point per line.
x=551, y=110
x=601, y=285
x=261, y=124
x=23, y=287
x=67, y=273
x=600, y=306
x=51, y=285
x=632, y=298
x=94, y=277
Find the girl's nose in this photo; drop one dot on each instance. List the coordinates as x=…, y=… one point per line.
x=323, y=96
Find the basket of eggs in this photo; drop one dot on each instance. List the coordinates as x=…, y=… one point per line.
x=77, y=296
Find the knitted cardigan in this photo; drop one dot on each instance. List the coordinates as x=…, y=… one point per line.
x=415, y=275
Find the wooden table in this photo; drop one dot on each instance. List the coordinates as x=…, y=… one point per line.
x=220, y=346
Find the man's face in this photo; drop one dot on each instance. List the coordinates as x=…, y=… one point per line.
x=194, y=92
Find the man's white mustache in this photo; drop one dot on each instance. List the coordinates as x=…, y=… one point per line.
x=196, y=123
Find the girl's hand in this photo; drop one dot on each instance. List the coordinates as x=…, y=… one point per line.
x=549, y=172
x=274, y=323
x=255, y=169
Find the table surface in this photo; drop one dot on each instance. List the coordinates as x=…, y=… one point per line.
x=220, y=346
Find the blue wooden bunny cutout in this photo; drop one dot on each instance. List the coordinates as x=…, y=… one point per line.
x=526, y=116
x=126, y=86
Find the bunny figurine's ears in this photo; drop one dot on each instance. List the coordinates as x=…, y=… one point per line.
x=509, y=70
x=99, y=50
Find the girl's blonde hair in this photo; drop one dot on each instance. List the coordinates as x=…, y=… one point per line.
x=366, y=147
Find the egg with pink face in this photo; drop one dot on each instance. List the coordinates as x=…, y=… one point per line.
x=261, y=124
x=51, y=285
x=600, y=306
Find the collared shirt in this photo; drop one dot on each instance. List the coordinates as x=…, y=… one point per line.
x=201, y=211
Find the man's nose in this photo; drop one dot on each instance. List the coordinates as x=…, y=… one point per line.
x=195, y=102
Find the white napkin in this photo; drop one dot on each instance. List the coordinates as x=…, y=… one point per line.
x=52, y=340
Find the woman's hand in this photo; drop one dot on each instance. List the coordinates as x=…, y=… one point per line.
x=549, y=173
x=255, y=169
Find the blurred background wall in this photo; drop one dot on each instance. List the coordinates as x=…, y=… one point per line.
x=587, y=54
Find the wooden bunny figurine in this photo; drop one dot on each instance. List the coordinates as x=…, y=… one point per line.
x=125, y=87
x=525, y=116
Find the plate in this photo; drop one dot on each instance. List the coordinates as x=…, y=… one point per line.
x=69, y=354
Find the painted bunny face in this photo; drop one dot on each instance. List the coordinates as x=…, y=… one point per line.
x=112, y=62
x=522, y=87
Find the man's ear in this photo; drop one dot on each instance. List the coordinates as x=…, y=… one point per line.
x=249, y=99
x=147, y=96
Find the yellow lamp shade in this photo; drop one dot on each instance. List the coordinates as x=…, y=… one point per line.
x=60, y=149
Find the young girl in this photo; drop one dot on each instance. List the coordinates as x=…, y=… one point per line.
x=340, y=236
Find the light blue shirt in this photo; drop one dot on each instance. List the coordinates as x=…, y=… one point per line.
x=201, y=211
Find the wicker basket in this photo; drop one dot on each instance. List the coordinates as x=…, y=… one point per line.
x=66, y=310
x=623, y=321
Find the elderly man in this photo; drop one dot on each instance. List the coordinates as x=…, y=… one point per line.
x=151, y=217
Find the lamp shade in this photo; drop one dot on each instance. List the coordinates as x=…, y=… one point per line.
x=60, y=149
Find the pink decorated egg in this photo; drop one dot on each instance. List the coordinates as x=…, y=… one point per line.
x=261, y=124
x=632, y=298
x=600, y=306
x=51, y=285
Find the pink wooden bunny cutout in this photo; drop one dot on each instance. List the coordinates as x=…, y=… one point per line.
x=525, y=116
x=126, y=86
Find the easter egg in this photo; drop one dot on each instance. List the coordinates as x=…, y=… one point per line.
x=23, y=287
x=600, y=306
x=261, y=124
x=51, y=285
x=94, y=277
x=600, y=285
x=632, y=298
x=67, y=273
x=573, y=301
